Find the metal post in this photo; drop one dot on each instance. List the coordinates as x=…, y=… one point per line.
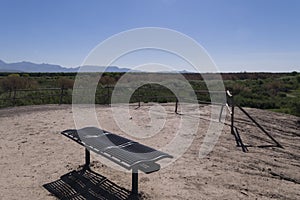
x=260, y=127
x=176, y=106
x=107, y=95
x=221, y=112
x=232, y=118
x=232, y=111
x=232, y=124
x=14, y=97
x=134, y=190
x=239, y=139
x=139, y=97
x=61, y=95
x=87, y=158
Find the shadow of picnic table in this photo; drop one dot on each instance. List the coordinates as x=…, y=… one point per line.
x=87, y=184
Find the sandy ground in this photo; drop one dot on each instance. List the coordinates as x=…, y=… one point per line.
x=34, y=153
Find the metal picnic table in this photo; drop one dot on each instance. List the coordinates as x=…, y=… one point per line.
x=127, y=153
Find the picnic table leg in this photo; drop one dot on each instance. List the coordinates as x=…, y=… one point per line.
x=134, y=190
x=87, y=158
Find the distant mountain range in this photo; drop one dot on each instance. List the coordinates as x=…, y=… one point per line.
x=33, y=67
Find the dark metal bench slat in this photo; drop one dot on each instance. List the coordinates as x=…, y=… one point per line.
x=122, y=151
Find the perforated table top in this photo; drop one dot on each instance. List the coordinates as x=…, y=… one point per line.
x=125, y=152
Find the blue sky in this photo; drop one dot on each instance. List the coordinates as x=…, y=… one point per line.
x=239, y=35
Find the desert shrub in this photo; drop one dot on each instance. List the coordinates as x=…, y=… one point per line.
x=294, y=73
x=295, y=107
x=107, y=80
x=65, y=83
x=282, y=94
x=14, y=81
x=162, y=100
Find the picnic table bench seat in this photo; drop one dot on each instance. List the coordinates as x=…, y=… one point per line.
x=127, y=153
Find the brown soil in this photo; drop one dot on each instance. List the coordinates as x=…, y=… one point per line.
x=34, y=153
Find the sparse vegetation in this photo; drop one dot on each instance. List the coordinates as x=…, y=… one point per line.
x=278, y=92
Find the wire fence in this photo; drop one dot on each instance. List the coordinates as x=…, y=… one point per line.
x=145, y=94
x=103, y=95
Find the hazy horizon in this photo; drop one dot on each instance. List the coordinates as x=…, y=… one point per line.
x=124, y=67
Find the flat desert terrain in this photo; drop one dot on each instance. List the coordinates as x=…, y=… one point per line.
x=35, y=156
